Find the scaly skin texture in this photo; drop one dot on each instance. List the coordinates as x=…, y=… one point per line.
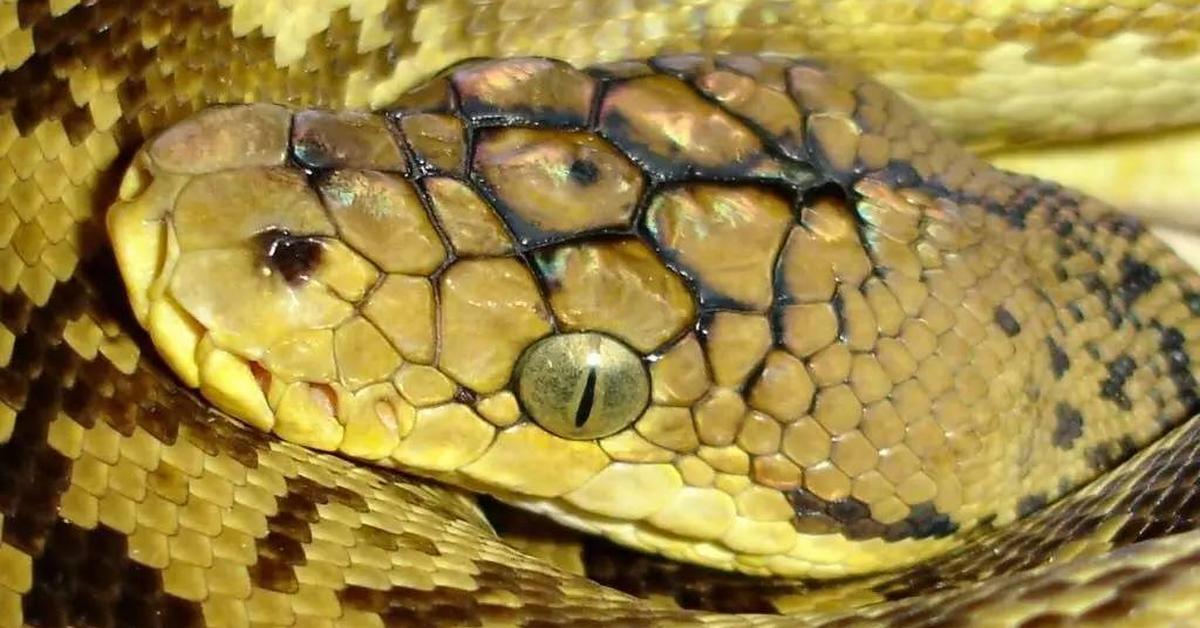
x=836, y=337
x=126, y=501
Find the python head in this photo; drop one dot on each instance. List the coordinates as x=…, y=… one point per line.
x=657, y=301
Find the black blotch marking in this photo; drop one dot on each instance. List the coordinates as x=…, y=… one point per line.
x=1192, y=299
x=1179, y=369
x=293, y=257
x=33, y=474
x=862, y=529
x=1019, y=209
x=900, y=174
x=1137, y=278
x=1113, y=388
x=812, y=513
x=1068, y=426
x=1094, y=284
x=805, y=503
x=1031, y=504
x=849, y=510
x=1059, y=360
x=85, y=578
x=289, y=529
x=587, y=400
x=1104, y=456
x=1124, y=226
x=584, y=172
x=1115, y=317
x=852, y=518
x=1007, y=322
x=1123, y=366
x=926, y=522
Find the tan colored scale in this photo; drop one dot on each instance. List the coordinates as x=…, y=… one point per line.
x=620, y=287
x=769, y=108
x=347, y=140
x=231, y=142
x=728, y=237
x=435, y=140
x=736, y=343
x=545, y=88
x=381, y=217
x=783, y=389
x=490, y=309
x=557, y=182
x=680, y=375
x=402, y=308
x=470, y=223
x=643, y=116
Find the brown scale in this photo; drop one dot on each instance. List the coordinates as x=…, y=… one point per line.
x=30, y=107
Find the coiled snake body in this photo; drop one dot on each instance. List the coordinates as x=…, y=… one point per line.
x=793, y=330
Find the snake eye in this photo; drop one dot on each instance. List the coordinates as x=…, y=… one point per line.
x=582, y=386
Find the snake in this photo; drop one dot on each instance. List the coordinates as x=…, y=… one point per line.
x=284, y=284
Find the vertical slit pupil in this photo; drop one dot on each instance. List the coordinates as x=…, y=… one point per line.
x=587, y=400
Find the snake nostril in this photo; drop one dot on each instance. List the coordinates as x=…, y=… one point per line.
x=293, y=257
